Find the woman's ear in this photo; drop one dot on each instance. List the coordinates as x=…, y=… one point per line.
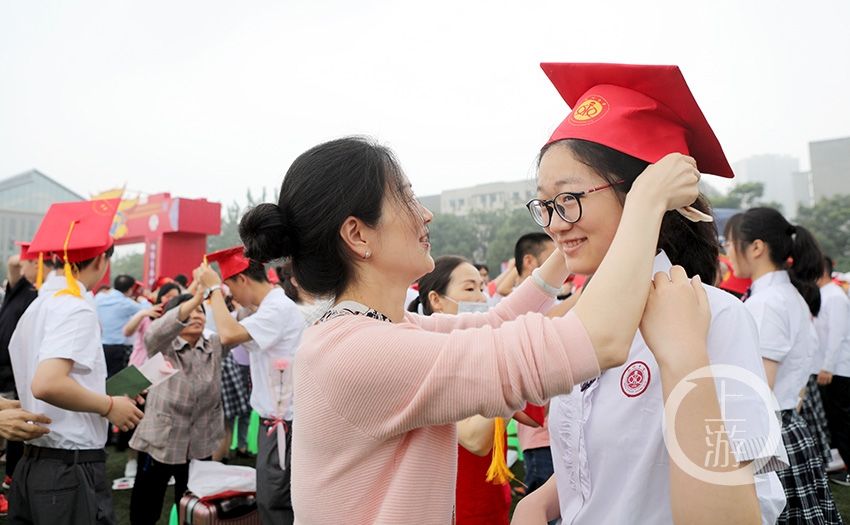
x=757, y=248
x=354, y=233
x=435, y=301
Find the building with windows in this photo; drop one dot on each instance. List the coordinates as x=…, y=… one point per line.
x=24, y=199
x=492, y=196
x=830, y=174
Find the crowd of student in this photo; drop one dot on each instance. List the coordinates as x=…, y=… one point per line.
x=385, y=403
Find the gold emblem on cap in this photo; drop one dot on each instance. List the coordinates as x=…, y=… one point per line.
x=589, y=110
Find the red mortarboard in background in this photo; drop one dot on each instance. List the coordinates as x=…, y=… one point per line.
x=272, y=276
x=76, y=232
x=26, y=254
x=644, y=111
x=231, y=261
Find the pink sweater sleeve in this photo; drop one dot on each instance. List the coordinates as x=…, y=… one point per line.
x=387, y=379
x=528, y=297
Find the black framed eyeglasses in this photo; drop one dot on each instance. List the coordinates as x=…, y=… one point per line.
x=567, y=205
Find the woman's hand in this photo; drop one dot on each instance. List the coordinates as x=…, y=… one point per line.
x=676, y=317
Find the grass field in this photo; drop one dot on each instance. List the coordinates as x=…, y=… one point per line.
x=121, y=499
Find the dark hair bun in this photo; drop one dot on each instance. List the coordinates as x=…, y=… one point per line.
x=265, y=234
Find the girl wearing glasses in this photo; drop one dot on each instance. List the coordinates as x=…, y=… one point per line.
x=380, y=389
x=612, y=464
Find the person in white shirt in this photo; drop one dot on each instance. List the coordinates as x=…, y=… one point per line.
x=58, y=360
x=608, y=439
x=833, y=360
x=271, y=335
x=782, y=299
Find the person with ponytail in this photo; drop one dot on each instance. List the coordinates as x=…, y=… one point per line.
x=380, y=390
x=784, y=263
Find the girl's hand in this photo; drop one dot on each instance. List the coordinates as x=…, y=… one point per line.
x=677, y=316
x=672, y=181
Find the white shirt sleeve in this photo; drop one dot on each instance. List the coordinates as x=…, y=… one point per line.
x=272, y=323
x=752, y=426
x=837, y=313
x=774, y=337
x=69, y=337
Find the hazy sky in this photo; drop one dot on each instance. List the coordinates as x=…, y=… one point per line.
x=207, y=98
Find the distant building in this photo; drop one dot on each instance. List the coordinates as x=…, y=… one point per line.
x=24, y=199
x=780, y=175
x=830, y=160
x=483, y=197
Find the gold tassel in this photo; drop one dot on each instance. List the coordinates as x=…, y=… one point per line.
x=39, y=277
x=73, y=288
x=499, y=473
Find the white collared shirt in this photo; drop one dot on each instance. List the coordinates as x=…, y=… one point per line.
x=786, y=333
x=611, y=462
x=833, y=328
x=64, y=327
x=275, y=330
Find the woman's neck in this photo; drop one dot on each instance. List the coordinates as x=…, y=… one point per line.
x=378, y=294
x=760, y=269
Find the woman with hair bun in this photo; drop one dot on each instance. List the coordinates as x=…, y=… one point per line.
x=379, y=389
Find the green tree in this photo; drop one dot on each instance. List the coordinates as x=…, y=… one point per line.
x=229, y=235
x=130, y=264
x=743, y=196
x=453, y=235
x=829, y=221
x=480, y=236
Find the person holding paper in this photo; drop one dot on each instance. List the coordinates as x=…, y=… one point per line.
x=183, y=415
x=58, y=360
x=271, y=336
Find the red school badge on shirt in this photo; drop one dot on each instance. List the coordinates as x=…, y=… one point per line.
x=635, y=379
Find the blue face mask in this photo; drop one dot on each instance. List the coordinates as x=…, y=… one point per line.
x=469, y=306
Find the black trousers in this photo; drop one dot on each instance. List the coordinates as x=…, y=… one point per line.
x=48, y=491
x=148, y=495
x=117, y=357
x=274, y=499
x=836, y=402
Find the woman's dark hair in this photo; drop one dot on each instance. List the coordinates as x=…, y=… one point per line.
x=828, y=265
x=284, y=273
x=164, y=289
x=325, y=185
x=790, y=247
x=436, y=281
x=692, y=245
x=174, y=302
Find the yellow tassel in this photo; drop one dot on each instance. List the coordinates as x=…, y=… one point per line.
x=73, y=288
x=39, y=277
x=499, y=473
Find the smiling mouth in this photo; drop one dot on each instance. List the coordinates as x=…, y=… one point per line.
x=573, y=243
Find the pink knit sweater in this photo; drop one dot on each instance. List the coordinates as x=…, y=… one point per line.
x=374, y=439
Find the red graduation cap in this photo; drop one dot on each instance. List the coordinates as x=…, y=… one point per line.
x=76, y=232
x=231, y=261
x=26, y=254
x=644, y=111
